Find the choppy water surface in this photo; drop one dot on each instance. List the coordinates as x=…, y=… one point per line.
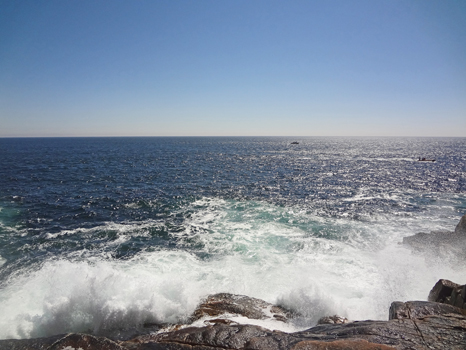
x=105, y=234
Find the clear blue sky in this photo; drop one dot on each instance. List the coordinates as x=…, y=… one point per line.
x=219, y=67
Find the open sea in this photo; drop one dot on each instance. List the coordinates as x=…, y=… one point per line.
x=110, y=235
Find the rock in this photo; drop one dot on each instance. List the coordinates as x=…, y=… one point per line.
x=29, y=344
x=446, y=331
x=333, y=320
x=448, y=292
x=216, y=336
x=429, y=332
x=340, y=345
x=85, y=342
x=61, y=342
x=241, y=305
x=420, y=309
x=442, y=289
x=444, y=244
x=461, y=227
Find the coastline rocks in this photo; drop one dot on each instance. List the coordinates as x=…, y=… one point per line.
x=430, y=332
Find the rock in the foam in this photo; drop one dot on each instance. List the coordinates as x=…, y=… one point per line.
x=448, y=245
x=335, y=319
x=461, y=227
x=240, y=305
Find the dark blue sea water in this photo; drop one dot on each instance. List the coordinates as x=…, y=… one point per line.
x=108, y=234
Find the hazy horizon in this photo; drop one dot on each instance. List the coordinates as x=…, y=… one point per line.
x=233, y=68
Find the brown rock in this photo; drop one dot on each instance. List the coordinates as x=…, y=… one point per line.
x=437, y=332
x=29, y=344
x=420, y=309
x=225, y=303
x=442, y=290
x=85, y=342
x=333, y=320
x=430, y=332
x=217, y=336
x=356, y=344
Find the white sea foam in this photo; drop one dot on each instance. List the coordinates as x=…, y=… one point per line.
x=316, y=266
x=132, y=228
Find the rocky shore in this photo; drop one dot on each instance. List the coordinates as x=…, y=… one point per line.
x=438, y=323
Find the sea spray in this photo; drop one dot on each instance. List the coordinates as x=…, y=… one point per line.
x=264, y=257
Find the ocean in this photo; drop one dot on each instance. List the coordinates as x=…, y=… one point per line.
x=110, y=235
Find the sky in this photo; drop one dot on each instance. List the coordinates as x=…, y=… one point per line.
x=232, y=68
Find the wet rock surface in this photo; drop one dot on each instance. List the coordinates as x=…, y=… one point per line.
x=335, y=319
x=420, y=309
x=240, y=305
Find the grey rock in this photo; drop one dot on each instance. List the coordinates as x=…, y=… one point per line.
x=448, y=292
x=461, y=227
x=335, y=319
x=419, y=309
x=442, y=289
x=429, y=332
x=448, y=245
x=241, y=305
x=84, y=341
x=29, y=344
x=446, y=331
x=61, y=342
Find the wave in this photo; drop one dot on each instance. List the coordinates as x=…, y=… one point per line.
x=282, y=254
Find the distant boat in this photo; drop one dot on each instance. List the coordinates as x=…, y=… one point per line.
x=295, y=143
x=425, y=160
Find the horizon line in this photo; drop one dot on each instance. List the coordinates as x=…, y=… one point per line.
x=220, y=136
